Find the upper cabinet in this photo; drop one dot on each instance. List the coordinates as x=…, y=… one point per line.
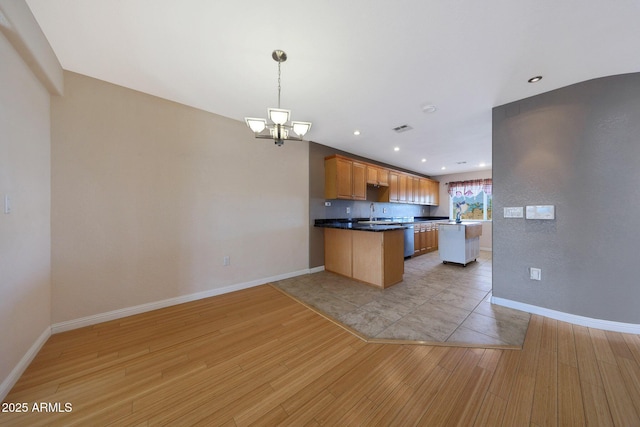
x=344, y=179
x=377, y=176
x=435, y=193
x=348, y=179
x=394, y=187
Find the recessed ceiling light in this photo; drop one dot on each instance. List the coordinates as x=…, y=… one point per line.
x=443, y=168
x=356, y=132
x=535, y=79
x=482, y=164
x=396, y=148
x=424, y=160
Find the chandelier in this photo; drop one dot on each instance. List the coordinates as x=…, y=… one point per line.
x=279, y=130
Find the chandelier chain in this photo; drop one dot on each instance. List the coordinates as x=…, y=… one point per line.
x=279, y=84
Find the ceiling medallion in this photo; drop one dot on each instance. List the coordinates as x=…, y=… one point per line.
x=279, y=130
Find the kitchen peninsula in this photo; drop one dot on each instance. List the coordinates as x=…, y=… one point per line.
x=372, y=253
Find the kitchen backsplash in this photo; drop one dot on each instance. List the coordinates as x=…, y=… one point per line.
x=362, y=209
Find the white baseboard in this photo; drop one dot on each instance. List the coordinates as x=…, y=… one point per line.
x=19, y=369
x=486, y=249
x=607, y=325
x=316, y=269
x=130, y=311
x=22, y=365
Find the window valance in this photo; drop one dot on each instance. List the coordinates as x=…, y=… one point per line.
x=470, y=188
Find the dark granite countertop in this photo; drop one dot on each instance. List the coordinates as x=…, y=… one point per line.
x=361, y=227
x=357, y=223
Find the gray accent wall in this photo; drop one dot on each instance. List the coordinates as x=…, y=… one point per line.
x=577, y=148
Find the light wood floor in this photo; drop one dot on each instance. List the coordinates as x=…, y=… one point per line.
x=258, y=357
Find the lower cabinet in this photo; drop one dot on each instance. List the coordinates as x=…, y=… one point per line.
x=338, y=251
x=375, y=258
x=425, y=238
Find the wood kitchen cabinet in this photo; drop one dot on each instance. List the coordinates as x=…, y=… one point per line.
x=429, y=192
x=376, y=258
x=435, y=234
x=415, y=190
x=429, y=238
x=347, y=178
x=344, y=179
x=419, y=239
x=338, y=251
x=358, y=180
x=377, y=176
x=424, y=191
x=372, y=175
x=402, y=188
x=435, y=192
x=383, y=177
x=425, y=238
x=409, y=181
x=394, y=187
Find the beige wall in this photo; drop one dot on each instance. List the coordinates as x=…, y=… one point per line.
x=25, y=237
x=149, y=195
x=486, y=240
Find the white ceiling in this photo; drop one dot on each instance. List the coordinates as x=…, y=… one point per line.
x=359, y=64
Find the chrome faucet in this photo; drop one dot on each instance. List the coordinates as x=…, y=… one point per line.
x=372, y=209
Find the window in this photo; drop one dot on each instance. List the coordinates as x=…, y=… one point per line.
x=473, y=199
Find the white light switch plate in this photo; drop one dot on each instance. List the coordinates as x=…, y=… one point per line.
x=515, y=212
x=541, y=212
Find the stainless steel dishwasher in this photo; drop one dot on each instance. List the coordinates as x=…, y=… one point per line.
x=408, y=240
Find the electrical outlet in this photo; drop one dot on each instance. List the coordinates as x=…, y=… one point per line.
x=327, y=203
x=226, y=260
x=384, y=210
x=535, y=273
x=7, y=204
x=348, y=210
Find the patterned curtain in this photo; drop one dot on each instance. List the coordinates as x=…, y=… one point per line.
x=456, y=188
x=488, y=186
x=470, y=188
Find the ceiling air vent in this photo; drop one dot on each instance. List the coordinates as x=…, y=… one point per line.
x=402, y=128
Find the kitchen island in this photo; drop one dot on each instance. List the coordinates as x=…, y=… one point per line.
x=459, y=242
x=370, y=253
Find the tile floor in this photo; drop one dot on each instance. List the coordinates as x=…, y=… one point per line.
x=435, y=303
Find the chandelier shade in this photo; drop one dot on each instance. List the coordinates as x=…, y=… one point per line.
x=256, y=125
x=279, y=130
x=301, y=128
x=278, y=116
